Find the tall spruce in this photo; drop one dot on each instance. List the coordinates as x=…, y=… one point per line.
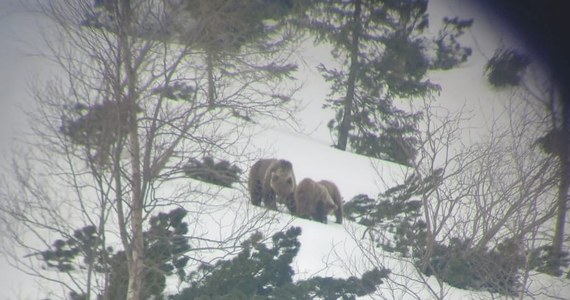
x=383, y=55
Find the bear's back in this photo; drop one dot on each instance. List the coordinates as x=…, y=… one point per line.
x=332, y=189
x=313, y=199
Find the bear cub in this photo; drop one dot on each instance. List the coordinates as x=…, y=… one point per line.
x=313, y=201
x=271, y=181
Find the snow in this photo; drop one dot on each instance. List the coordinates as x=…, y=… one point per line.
x=343, y=250
x=317, y=159
x=326, y=249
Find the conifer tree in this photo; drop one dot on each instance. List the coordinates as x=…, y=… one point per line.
x=262, y=272
x=383, y=53
x=166, y=250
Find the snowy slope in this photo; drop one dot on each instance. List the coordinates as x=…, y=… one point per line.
x=327, y=250
x=341, y=250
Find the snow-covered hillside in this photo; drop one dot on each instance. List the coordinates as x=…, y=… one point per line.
x=326, y=249
x=339, y=250
x=342, y=250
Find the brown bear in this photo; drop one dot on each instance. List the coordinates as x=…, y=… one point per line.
x=272, y=181
x=313, y=201
x=336, y=197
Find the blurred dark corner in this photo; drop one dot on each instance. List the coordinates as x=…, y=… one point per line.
x=544, y=25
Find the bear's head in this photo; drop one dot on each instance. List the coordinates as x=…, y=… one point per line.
x=282, y=182
x=282, y=179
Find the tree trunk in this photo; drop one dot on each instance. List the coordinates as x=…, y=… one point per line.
x=350, y=89
x=136, y=268
x=211, y=83
x=128, y=101
x=564, y=184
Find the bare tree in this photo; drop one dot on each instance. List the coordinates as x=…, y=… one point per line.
x=509, y=68
x=496, y=191
x=115, y=127
x=486, y=194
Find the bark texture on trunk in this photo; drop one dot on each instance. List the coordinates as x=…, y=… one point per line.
x=344, y=127
x=564, y=184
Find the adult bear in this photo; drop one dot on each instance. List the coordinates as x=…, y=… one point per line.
x=313, y=201
x=272, y=180
x=336, y=197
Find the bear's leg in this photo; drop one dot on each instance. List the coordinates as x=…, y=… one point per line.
x=290, y=203
x=269, y=200
x=256, y=194
x=302, y=211
x=338, y=214
x=320, y=214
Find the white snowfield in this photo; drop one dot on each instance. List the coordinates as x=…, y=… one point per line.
x=343, y=250
x=326, y=249
x=337, y=250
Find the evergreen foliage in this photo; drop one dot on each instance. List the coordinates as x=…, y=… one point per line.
x=97, y=127
x=223, y=25
x=505, y=68
x=237, y=37
x=83, y=243
x=240, y=41
x=553, y=142
x=465, y=267
x=179, y=91
x=262, y=272
x=449, y=52
x=123, y=62
x=397, y=211
x=545, y=260
x=394, y=222
x=386, y=55
x=165, y=254
x=221, y=173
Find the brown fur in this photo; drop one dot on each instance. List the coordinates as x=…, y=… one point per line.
x=336, y=197
x=272, y=181
x=313, y=201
